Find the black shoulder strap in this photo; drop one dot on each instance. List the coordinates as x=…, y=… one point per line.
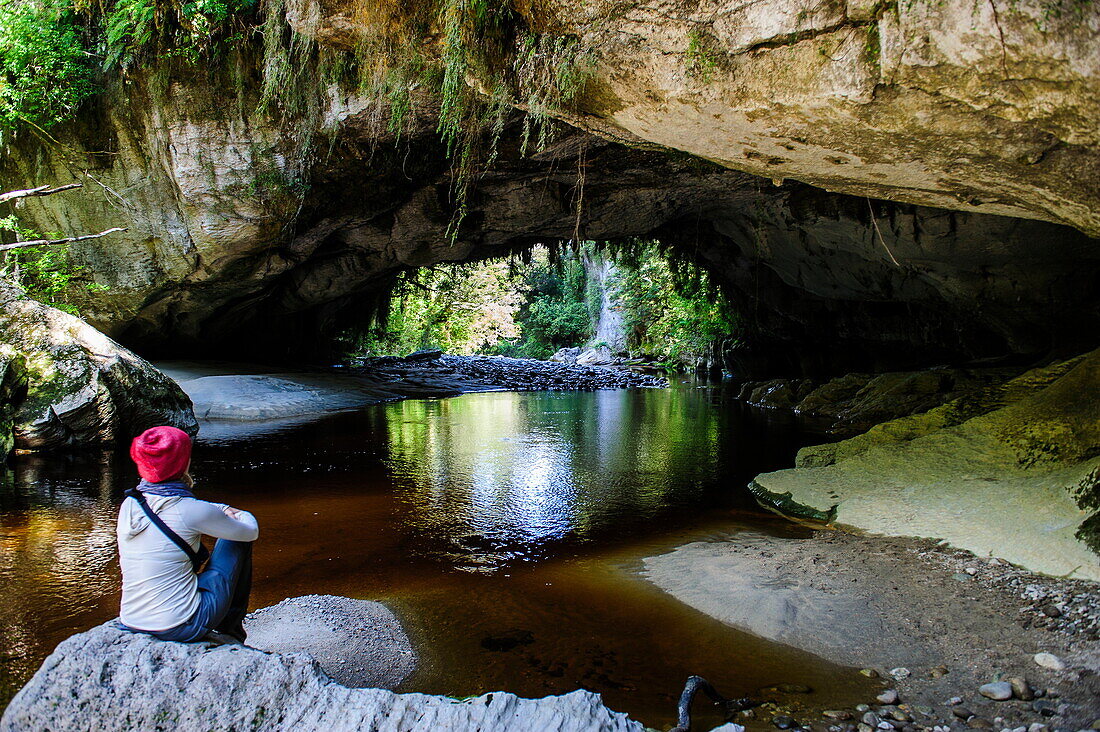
x=198, y=558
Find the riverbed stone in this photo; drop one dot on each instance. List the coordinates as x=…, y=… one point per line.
x=101, y=681
x=82, y=388
x=997, y=690
x=1049, y=661
x=1021, y=689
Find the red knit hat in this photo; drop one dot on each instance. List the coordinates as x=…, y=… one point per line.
x=161, y=453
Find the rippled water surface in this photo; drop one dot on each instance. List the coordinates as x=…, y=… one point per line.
x=520, y=516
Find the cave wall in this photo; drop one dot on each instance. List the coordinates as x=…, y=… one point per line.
x=258, y=231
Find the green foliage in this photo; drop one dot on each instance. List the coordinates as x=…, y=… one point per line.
x=461, y=309
x=671, y=311
x=47, y=273
x=190, y=30
x=701, y=61
x=45, y=73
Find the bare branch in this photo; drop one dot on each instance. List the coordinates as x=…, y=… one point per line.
x=45, y=190
x=67, y=240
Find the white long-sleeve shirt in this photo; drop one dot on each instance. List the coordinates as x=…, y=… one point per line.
x=159, y=588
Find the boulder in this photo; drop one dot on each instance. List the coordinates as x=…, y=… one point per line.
x=82, y=387
x=599, y=356
x=13, y=388
x=106, y=679
x=568, y=356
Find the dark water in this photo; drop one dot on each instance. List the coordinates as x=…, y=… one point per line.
x=504, y=514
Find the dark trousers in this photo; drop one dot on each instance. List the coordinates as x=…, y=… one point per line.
x=224, y=587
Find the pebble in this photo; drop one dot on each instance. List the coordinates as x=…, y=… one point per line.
x=938, y=672
x=971, y=571
x=1037, y=727
x=1044, y=707
x=884, y=725
x=836, y=714
x=900, y=672
x=869, y=673
x=997, y=691
x=1051, y=611
x=979, y=723
x=1021, y=689
x=954, y=700
x=890, y=696
x=962, y=713
x=865, y=727
x=784, y=722
x=861, y=708
x=871, y=719
x=900, y=715
x=1049, y=660
x=961, y=577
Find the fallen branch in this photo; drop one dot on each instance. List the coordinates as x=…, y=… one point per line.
x=47, y=242
x=45, y=190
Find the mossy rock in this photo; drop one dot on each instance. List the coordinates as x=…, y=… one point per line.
x=13, y=389
x=82, y=388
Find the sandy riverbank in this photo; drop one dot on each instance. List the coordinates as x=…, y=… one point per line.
x=952, y=620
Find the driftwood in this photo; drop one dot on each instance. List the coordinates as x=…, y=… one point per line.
x=66, y=240
x=45, y=190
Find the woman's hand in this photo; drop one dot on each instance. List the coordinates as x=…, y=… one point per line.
x=232, y=513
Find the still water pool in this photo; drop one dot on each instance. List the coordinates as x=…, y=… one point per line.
x=504, y=514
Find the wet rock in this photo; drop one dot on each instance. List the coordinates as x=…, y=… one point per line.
x=840, y=714
x=82, y=387
x=979, y=723
x=1049, y=661
x=997, y=690
x=508, y=640
x=1021, y=689
x=1039, y=727
x=100, y=680
x=962, y=713
x=871, y=719
x=869, y=673
x=864, y=727
x=900, y=673
x=890, y=696
x=784, y=722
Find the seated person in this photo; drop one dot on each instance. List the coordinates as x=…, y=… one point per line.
x=165, y=591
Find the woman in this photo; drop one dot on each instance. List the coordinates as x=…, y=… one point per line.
x=164, y=591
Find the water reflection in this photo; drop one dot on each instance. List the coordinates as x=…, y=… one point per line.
x=491, y=478
x=387, y=502
x=57, y=555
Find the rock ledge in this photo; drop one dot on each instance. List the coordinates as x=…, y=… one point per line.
x=106, y=679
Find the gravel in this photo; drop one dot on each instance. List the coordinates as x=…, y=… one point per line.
x=477, y=373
